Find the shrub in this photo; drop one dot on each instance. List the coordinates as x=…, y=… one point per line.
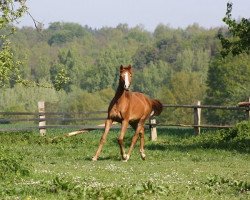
x=236, y=138
x=240, y=132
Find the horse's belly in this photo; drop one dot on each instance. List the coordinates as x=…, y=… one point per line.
x=135, y=116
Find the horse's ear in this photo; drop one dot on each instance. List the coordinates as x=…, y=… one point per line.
x=130, y=68
x=121, y=68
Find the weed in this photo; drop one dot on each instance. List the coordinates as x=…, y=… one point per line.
x=216, y=183
x=11, y=166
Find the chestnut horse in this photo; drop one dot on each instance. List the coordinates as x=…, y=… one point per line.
x=129, y=108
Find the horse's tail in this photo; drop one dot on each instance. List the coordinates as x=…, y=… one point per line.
x=156, y=107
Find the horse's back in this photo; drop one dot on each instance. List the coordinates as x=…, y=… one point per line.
x=148, y=103
x=141, y=98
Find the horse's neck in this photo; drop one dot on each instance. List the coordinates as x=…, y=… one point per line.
x=119, y=91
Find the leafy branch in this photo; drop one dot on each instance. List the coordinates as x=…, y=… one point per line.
x=10, y=12
x=239, y=35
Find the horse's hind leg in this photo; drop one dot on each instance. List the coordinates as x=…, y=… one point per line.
x=143, y=155
x=108, y=124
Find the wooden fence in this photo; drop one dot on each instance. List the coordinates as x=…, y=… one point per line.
x=197, y=108
x=42, y=117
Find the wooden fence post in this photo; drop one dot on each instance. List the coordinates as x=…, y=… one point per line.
x=153, y=131
x=42, y=121
x=197, y=119
x=248, y=111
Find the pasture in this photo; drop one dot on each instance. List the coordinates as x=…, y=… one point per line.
x=179, y=165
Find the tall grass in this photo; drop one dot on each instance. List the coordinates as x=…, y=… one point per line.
x=214, y=165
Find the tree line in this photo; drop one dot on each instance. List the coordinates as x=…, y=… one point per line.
x=76, y=67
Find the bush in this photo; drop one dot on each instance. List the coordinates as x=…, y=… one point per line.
x=240, y=132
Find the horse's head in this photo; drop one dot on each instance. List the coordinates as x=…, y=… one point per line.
x=125, y=76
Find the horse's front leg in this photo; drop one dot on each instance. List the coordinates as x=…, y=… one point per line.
x=108, y=124
x=121, y=137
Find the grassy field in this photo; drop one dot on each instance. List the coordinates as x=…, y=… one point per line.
x=179, y=165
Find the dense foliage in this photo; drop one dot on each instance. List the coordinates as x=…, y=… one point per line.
x=238, y=39
x=178, y=66
x=10, y=11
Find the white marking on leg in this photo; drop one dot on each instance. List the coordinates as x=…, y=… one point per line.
x=143, y=155
x=125, y=157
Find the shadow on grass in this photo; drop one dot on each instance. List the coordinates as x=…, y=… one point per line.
x=241, y=147
x=103, y=158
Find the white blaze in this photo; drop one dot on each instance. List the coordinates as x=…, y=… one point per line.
x=126, y=80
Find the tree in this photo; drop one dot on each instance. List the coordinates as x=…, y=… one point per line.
x=228, y=83
x=65, y=32
x=139, y=34
x=11, y=10
x=104, y=74
x=152, y=77
x=187, y=88
x=144, y=56
x=239, y=35
x=163, y=32
x=228, y=74
x=169, y=48
x=62, y=72
x=185, y=60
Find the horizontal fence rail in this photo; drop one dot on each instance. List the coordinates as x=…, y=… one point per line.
x=197, y=108
x=206, y=106
x=42, y=117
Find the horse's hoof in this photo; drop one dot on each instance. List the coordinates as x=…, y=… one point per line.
x=143, y=157
x=94, y=159
x=125, y=158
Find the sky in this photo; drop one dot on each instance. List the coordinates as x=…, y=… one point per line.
x=145, y=13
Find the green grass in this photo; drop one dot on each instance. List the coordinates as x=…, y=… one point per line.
x=178, y=166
